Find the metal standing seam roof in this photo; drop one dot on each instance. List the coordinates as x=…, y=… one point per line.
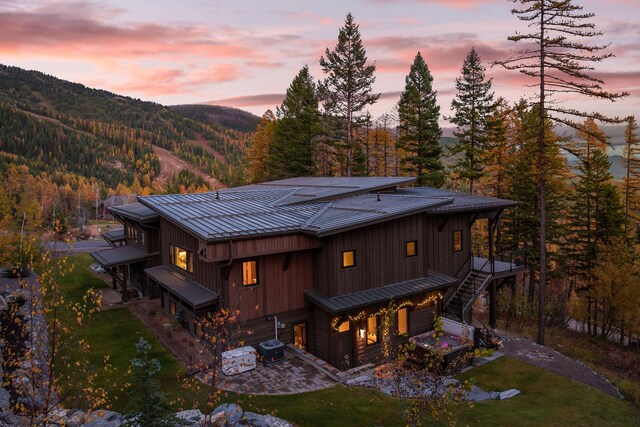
x=343, y=303
x=121, y=255
x=264, y=209
x=114, y=235
x=136, y=211
x=187, y=290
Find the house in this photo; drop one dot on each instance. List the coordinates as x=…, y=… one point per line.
x=323, y=256
x=135, y=247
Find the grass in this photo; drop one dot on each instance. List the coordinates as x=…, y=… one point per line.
x=546, y=399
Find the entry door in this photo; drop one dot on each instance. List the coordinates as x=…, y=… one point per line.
x=300, y=336
x=345, y=350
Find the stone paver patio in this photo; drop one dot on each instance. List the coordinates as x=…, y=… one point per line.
x=291, y=376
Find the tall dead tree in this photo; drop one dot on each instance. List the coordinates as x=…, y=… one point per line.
x=559, y=56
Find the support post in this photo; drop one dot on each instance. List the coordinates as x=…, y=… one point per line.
x=492, y=304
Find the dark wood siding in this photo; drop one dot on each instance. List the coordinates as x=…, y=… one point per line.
x=439, y=237
x=207, y=274
x=380, y=257
x=321, y=327
x=255, y=331
x=278, y=290
x=258, y=247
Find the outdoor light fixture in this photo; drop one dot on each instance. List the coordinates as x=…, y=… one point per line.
x=361, y=333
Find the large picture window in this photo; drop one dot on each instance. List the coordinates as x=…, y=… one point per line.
x=250, y=273
x=181, y=258
x=457, y=240
x=348, y=259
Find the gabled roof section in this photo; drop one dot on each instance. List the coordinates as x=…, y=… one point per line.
x=135, y=211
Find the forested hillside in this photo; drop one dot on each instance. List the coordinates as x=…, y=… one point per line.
x=58, y=127
x=228, y=117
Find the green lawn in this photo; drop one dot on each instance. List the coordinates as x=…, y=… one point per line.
x=546, y=399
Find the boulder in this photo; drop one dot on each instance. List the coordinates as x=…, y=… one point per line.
x=276, y=422
x=3, y=304
x=75, y=418
x=217, y=420
x=508, y=394
x=476, y=394
x=232, y=412
x=102, y=418
x=191, y=417
x=253, y=420
x=5, y=400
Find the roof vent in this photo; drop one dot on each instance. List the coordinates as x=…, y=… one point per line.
x=378, y=197
x=217, y=195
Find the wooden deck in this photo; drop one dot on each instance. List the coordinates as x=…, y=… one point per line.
x=500, y=268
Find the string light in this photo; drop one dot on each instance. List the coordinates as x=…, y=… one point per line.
x=429, y=299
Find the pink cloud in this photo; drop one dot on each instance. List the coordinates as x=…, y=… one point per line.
x=456, y=4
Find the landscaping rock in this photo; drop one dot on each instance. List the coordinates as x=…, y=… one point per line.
x=254, y=420
x=509, y=394
x=361, y=381
x=476, y=394
x=232, y=411
x=191, y=417
x=5, y=400
x=218, y=420
x=276, y=422
x=3, y=304
x=9, y=419
x=101, y=418
x=494, y=395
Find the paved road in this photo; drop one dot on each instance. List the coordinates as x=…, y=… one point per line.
x=86, y=246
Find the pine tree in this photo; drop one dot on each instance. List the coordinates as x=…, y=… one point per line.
x=298, y=128
x=258, y=154
x=347, y=89
x=419, y=130
x=473, y=106
x=631, y=181
x=560, y=61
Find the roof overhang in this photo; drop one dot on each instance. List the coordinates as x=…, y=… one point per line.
x=114, y=236
x=122, y=255
x=186, y=290
x=350, y=302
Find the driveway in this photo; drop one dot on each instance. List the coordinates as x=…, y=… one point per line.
x=84, y=246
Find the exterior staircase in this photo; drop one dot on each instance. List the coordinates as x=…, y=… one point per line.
x=460, y=302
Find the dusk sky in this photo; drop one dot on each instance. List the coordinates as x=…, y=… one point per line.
x=245, y=53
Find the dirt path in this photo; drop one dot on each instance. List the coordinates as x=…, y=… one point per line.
x=551, y=360
x=170, y=164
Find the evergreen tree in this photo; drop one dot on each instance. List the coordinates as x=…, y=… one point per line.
x=258, y=154
x=148, y=406
x=473, y=106
x=559, y=59
x=419, y=130
x=298, y=127
x=631, y=181
x=347, y=89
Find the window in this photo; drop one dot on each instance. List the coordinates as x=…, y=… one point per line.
x=372, y=330
x=142, y=238
x=348, y=259
x=300, y=335
x=172, y=308
x=411, y=248
x=250, y=273
x=344, y=327
x=403, y=321
x=181, y=258
x=457, y=240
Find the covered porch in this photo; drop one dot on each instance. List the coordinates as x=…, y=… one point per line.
x=350, y=328
x=125, y=265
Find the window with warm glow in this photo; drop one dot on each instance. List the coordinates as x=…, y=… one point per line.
x=457, y=240
x=172, y=308
x=348, y=259
x=372, y=330
x=181, y=258
x=250, y=273
x=300, y=335
x=411, y=248
x=403, y=321
x=344, y=327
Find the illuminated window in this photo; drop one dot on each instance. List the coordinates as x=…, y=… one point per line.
x=172, y=308
x=344, y=327
x=457, y=240
x=300, y=335
x=198, y=328
x=181, y=258
x=250, y=273
x=403, y=321
x=411, y=248
x=348, y=259
x=372, y=330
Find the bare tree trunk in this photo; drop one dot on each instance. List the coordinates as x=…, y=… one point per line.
x=542, y=171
